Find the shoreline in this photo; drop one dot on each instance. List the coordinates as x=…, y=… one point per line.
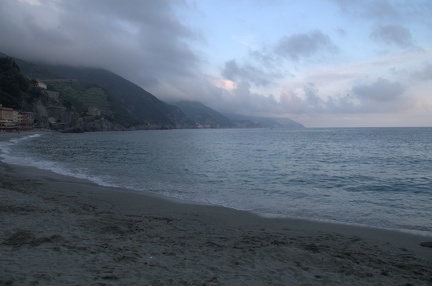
x=420, y=233
x=60, y=230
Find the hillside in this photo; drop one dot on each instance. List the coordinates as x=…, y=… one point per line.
x=116, y=99
x=203, y=116
x=23, y=94
x=263, y=122
x=91, y=99
x=15, y=88
x=84, y=99
x=144, y=107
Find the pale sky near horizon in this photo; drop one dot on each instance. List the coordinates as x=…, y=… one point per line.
x=323, y=63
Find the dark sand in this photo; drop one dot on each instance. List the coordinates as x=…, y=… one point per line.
x=57, y=230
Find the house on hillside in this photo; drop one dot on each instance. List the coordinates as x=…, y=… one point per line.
x=17, y=117
x=27, y=120
x=93, y=111
x=41, y=84
x=6, y=118
x=12, y=120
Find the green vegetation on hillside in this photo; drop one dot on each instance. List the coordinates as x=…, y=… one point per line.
x=83, y=96
x=15, y=88
x=128, y=101
x=91, y=99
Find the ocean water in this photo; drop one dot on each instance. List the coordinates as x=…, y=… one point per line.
x=380, y=177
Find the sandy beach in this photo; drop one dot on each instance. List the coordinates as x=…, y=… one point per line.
x=58, y=230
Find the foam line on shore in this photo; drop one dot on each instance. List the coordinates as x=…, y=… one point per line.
x=52, y=167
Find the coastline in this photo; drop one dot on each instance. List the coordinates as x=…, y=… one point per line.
x=361, y=201
x=62, y=230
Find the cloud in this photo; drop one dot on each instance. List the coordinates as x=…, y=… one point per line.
x=425, y=73
x=382, y=90
x=341, y=32
x=161, y=46
x=222, y=83
x=304, y=45
x=380, y=96
x=311, y=93
x=380, y=9
x=248, y=73
x=387, y=11
x=308, y=100
x=377, y=10
x=248, y=100
x=144, y=41
x=392, y=34
x=263, y=57
x=238, y=98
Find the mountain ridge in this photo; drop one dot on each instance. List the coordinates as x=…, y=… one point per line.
x=106, y=101
x=147, y=110
x=203, y=116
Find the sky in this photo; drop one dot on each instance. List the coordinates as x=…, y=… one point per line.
x=323, y=63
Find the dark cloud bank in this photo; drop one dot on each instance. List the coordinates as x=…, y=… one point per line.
x=392, y=34
x=141, y=40
x=304, y=45
x=147, y=43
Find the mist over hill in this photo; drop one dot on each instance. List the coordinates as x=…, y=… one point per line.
x=264, y=122
x=203, y=116
x=92, y=99
x=144, y=107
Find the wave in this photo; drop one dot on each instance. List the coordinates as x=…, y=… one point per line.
x=6, y=145
x=26, y=159
x=19, y=139
x=280, y=189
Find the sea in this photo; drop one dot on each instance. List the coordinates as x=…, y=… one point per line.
x=377, y=177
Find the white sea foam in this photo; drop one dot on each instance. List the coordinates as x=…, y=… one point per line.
x=57, y=168
x=6, y=145
x=19, y=139
x=8, y=157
